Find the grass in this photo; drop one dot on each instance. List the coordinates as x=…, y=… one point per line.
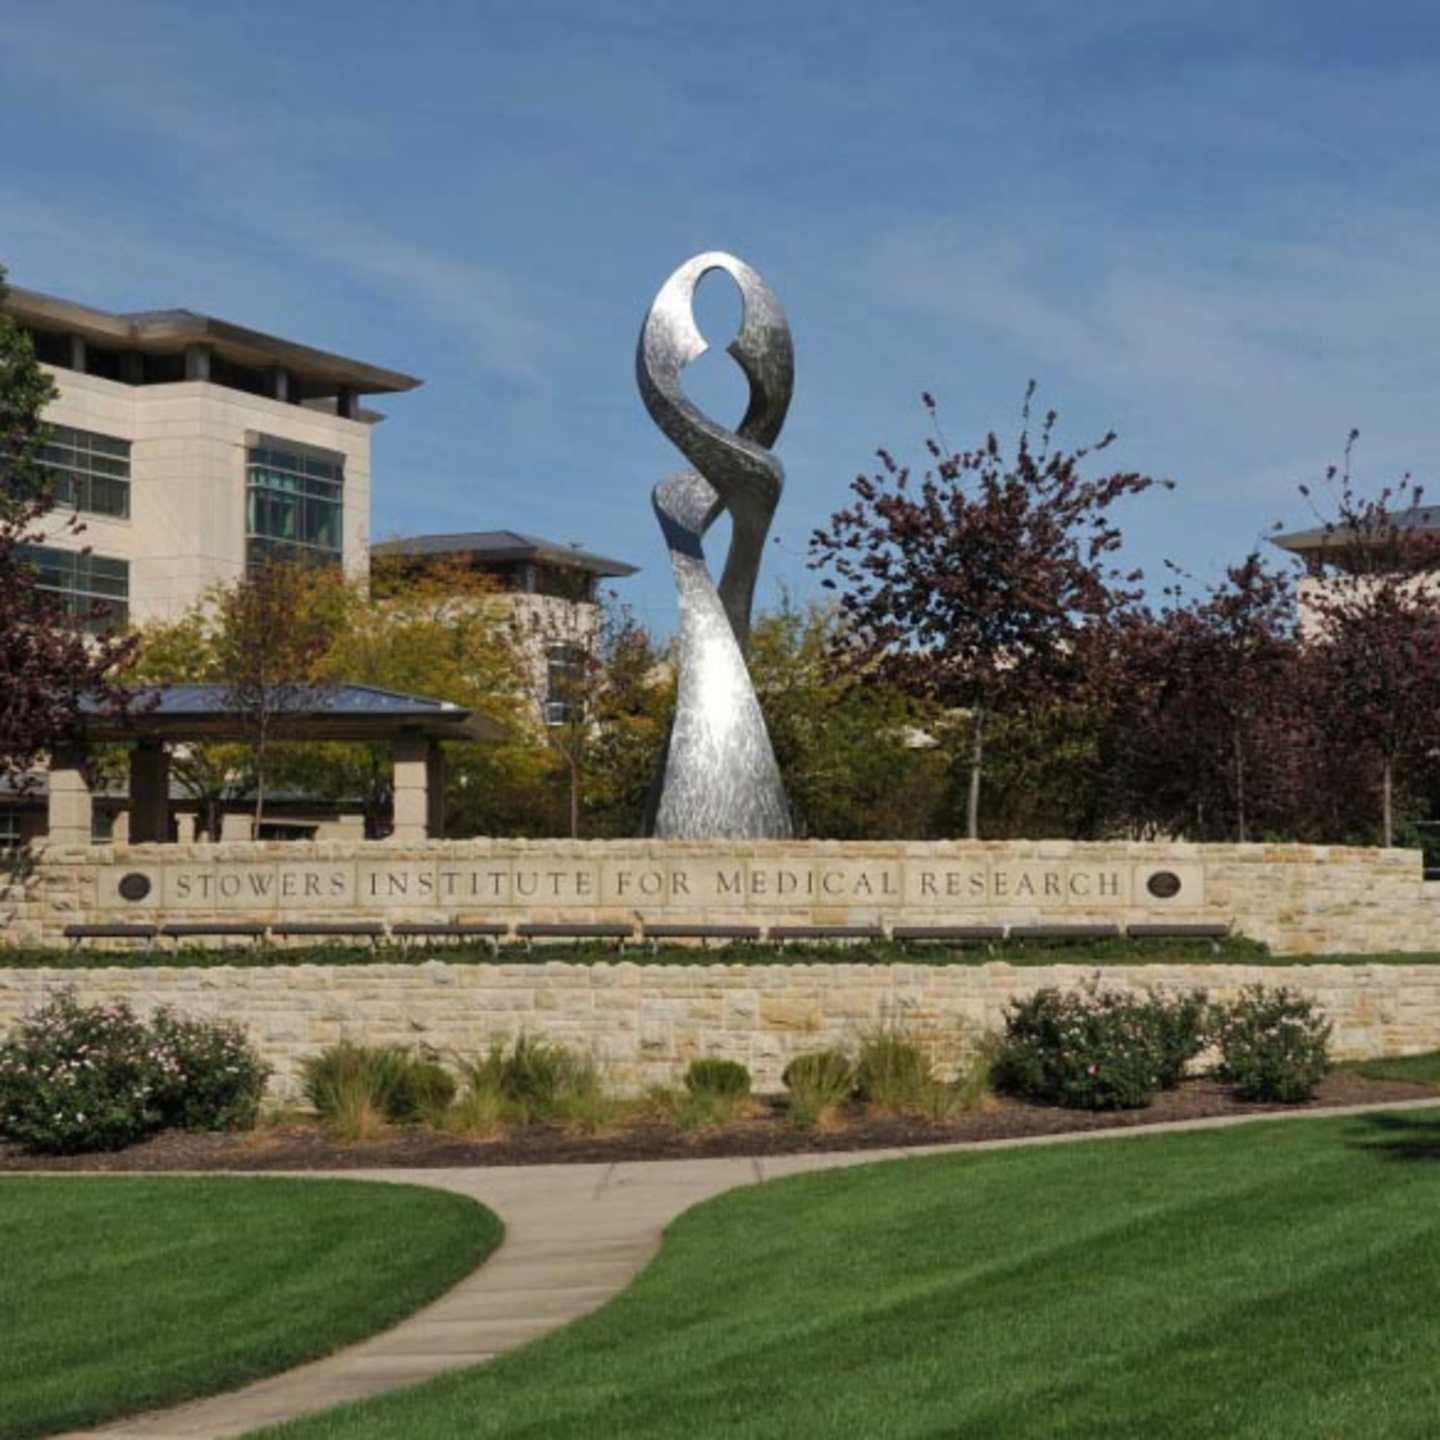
x=121, y=1294
x=1420, y=1069
x=1274, y=1280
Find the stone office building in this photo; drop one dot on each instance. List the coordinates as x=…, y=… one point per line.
x=193, y=448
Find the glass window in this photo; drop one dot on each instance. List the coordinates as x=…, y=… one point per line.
x=90, y=472
x=294, y=504
x=94, y=589
x=9, y=829
x=565, y=667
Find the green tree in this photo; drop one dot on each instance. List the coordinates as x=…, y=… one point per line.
x=857, y=754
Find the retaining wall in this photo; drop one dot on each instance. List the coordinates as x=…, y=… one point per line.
x=645, y=1023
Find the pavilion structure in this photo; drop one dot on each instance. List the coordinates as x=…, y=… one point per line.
x=161, y=716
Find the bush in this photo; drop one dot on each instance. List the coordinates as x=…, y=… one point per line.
x=215, y=1080
x=76, y=1078
x=1181, y=1028
x=358, y=1085
x=538, y=1080
x=1274, y=1044
x=718, y=1077
x=1088, y=1049
x=818, y=1083
x=424, y=1090
x=891, y=1072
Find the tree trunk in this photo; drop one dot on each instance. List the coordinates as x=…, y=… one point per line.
x=260, y=739
x=1239, y=753
x=1387, y=801
x=574, y=801
x=977, y=754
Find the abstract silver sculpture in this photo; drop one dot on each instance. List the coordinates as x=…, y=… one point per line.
x=720, y=779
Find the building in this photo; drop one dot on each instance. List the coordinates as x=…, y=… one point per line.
x=553, y=591
x=192, y=448
x=1410, y=543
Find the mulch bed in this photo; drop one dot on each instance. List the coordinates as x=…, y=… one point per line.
x=304, y=1145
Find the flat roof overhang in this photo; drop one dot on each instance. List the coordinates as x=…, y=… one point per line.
x=168, y=331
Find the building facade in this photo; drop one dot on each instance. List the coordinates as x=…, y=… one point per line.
x=190, y=449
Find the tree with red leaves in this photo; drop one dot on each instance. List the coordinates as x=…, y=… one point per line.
x=1199, y=701
x=48, y=667
x=972, y=588
x=1372, y=614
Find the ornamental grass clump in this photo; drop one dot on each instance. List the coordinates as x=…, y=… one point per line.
x=1089, y=1049
x=358, y=1089
x=1274, y=1044
x=77, y=1078
x=537, y=1081
x=892, y=1073
x=819, y=1083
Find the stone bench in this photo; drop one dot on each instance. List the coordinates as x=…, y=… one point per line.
x=406, y=930
x=349, y=929
x=77, y=933
x=197, y=929
x=783, y=934
x=1065, y=932
x=536, y=931
x=955, y=934
x=704, y=933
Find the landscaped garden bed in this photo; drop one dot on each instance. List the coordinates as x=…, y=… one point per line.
x=303, y=1143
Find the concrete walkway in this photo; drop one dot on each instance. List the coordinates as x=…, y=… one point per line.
x=575, y=1235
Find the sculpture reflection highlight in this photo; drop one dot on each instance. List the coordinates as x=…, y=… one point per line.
x=720, y=778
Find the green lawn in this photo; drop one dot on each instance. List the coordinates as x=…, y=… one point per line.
x=1421, y=1069
x=120, y=1294
x=1277, y=1280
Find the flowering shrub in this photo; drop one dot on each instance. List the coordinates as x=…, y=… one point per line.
x=212, y=1079
x=1274, y=1044
x=1181, y=1028
x=1088, y=1049
x=95, y=1077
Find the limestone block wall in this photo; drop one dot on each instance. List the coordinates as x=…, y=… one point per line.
x=1299, y=899
x=645, y=1023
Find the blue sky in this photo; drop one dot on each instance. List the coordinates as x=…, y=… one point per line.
x=1210, y=226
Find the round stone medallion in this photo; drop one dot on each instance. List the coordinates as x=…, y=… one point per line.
x=1163, y=884
x=134, y=886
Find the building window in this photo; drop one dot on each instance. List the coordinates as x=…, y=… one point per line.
x=565, y=667
x=94, y=589
x=294, y=504
x=90, y=472
x=9, y=830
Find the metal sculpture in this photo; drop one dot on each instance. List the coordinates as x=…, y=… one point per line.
x=720, y=779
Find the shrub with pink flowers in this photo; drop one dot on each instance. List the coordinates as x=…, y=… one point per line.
x=1088, y=1049
x=77, y=1077
x=1274, y=1044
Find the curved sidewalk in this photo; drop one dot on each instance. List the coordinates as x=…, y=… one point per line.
x=575, y=1235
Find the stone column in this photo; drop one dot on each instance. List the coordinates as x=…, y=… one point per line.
x=149, y=792
x=411, y=753
x=435, y=791
x=71, y=804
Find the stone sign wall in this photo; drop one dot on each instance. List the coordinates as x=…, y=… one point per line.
x=1299, y=899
